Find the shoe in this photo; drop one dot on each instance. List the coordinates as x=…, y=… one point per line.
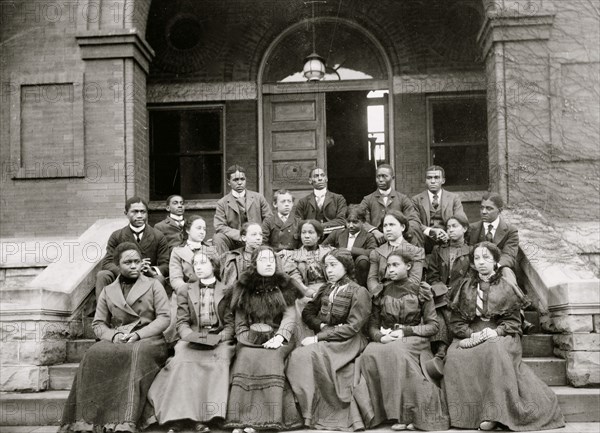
x=488, y=425
x=527, y=327
x=399, y=427
x=249, y=430
x=237, y=430
x=201, y=428
x=410, y=427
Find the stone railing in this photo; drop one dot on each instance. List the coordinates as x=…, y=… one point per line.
x=37, y=318
x=566, y=291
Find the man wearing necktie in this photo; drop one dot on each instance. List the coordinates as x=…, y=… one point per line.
x=172, y=226
x=495, y=229
x=321, y=204
x=152, y=244
x=236, y=208
x=435, y=206
x=386, y=198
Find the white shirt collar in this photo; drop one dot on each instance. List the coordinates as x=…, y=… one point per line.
x=283, y=217
x=238, y=194
x=439, y=194
x=493, y=223
x=320, y=192
x=137, y=229
x=176, y=217
x=350, y=235
x=385, y=191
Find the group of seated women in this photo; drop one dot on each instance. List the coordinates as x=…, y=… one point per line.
x=276, y=341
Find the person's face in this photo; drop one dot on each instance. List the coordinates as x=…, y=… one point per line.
x=203, y=267
x=309, y=235
x=176, y=206
x=434, y=180
x=354, y=225
x=455, y=230
x=318, y=179
x=392, y=229
x=265, y=263
x=130, y=264
x=253, y=237
x=137, y=214
x=397, y=269
x=489, y=211
x=384, y=178
x=237, y=181
x=483, y=261
x=334, y=269
x=284, y=204
x=197, y=231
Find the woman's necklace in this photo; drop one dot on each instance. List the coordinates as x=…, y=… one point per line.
x=486, y=278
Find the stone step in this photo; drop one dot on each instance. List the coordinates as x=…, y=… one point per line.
x=61, y=376
x=45, y=408
x=77, y=348
x=537, y=345
x=551, y=370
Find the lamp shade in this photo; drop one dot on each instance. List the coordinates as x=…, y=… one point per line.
x=314, y=67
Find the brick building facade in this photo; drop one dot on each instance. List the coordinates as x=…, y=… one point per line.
x=81, y=82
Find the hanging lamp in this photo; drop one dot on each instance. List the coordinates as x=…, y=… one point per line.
x=314, y=65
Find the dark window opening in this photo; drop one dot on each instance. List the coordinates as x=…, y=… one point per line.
x=186, y=153
x=458, y=140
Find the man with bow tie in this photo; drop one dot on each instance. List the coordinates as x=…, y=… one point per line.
x=172, y=226
x=435, y=206
x=152, y=244
x=322, y=205
x=387, y=198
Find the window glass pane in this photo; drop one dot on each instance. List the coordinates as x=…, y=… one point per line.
x=459, y=120
x=200, y=131
x=466, y=167
x=165, y=131
x=375, y=118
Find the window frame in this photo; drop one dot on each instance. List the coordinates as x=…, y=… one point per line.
x=430, y=101
x=195, y=201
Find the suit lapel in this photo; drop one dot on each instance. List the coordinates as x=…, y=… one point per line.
x=186, y=254
x=424, y=197
x=500, y=231
x=194, y=294
x=446, y=204
x=343, y=239
x=115, y=294
x=141, y=286
x=360, y=239
x=147, y=239
x=328, y=199
x=232, y=203
x=380, y=200
x=249, y=201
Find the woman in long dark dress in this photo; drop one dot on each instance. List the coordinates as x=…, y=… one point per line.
x=393, y=385
x=447, y=264
x=265, y=321
x=486, y=382
x=193, y=387
x=110, y=387
x=322, y=373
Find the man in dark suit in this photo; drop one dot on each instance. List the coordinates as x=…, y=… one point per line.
x=280, y=230
x=152, y=243
x=495, y=229
x=322, y=205
x=357, y=240
x=172, y=225
x=435, y=206
x=235, y=209
x=385, y=198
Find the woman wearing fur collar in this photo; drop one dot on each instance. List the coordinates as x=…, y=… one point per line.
x=483, y=374
x=265, y=320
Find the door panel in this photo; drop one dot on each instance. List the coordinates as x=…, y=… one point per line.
x=294, y=141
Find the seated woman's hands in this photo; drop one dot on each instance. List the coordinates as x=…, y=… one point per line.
x=390, y=335
x=126, y=338
x=274, y=343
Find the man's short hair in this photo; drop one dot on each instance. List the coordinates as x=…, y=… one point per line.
x=387, y=166
x=133, y=200
x=436, y=168
x=279, y=192
x=495, y=198
x=169, y=198
x=232, y=169
x=316, y=168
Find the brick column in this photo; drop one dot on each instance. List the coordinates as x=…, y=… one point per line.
x=116, y=65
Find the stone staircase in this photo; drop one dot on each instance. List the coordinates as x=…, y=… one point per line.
x=45, y=408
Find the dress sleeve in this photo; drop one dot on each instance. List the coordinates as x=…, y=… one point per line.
x=416, y=271
x=373, y=284
x=430, y=324
x=287, y=327
x=162, y=310
x=375, y=323
x=360, y=310
x=102, y=319
x=510, y=324
x=183, y=314
x=310, y=313
x=459, y=326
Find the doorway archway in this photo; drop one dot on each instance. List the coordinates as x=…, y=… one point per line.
x=296, y=128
